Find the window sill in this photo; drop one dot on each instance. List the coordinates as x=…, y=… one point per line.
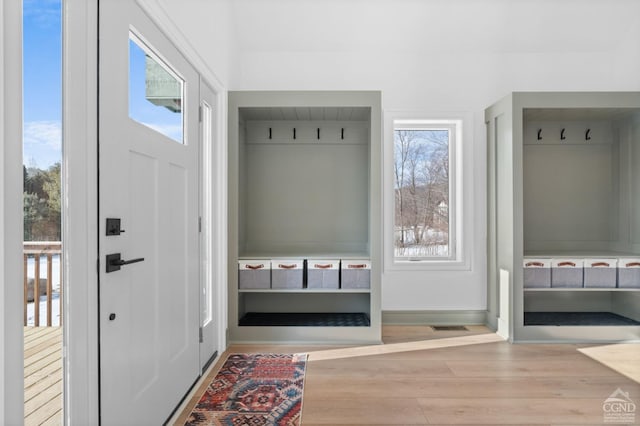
x=427, y=265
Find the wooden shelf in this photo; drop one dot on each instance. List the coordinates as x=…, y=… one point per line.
x=580, y=289
x=548, y=254
x=306, y=290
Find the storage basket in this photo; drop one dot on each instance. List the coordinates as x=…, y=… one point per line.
x=567, y=273
x=537, y=273
x=323, y=273
x=629, y=272
x=286, y=273
x=355, y=274
x=600, y=273
x=254, y=274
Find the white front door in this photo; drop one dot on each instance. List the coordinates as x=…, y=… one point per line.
x=148, y=179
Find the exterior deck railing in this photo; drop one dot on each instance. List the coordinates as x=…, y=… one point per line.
x=36, y=286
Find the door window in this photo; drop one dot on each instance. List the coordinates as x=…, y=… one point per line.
x=156, y=92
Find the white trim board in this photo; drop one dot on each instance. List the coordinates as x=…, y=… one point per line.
x=434, y=317
x=79, y=198
x=11, y=331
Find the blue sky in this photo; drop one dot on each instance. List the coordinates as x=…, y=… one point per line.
x=142, y=110
x=42, y=82
x=42, y=85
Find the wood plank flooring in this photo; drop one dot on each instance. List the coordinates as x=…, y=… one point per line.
x=42, y=376
x=624, y=358
x=421, y=376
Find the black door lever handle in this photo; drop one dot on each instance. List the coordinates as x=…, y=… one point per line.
x=126, y=262
x=114, y=262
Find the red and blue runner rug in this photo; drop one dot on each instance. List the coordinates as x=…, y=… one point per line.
x=254, y=390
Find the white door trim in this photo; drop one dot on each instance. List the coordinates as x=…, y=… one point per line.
x=219, y=211
x=80, y=195
x=11, y=331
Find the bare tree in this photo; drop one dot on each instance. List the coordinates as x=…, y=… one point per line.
x=421, y=187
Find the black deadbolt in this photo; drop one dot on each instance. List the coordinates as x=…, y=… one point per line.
x=113, y=227
x=112, y=317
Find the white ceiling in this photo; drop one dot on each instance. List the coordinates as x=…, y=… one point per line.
x=433, y=25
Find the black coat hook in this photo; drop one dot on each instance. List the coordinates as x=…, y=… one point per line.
x=342, y=133
x=562, y=136
x=318, y=133
x=294, y=132
x=587, y=135
x=539, y=134
x=269, y=132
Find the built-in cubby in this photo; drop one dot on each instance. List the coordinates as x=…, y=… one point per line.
x=304, y=192
x=564, y=179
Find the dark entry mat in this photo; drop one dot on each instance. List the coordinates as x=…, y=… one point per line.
x=305, y=319
x=576, y=318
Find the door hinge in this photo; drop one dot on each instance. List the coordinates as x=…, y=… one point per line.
x=201, y=338
x=200, y=114
x=199, y=223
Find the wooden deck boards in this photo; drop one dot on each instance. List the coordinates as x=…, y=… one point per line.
x=42, y=376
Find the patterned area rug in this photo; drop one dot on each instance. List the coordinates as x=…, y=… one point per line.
x=254, y=390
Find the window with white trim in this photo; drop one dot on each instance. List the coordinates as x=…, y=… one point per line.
x=423, y=204
x=423, y=169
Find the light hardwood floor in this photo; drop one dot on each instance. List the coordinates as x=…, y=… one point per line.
x=420, y=376
x=624, y=358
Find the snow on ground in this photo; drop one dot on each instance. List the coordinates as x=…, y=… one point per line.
x=55, y=298
x=440, y=250
x=55, y=311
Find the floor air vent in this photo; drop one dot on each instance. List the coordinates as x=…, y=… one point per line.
x=449, y=328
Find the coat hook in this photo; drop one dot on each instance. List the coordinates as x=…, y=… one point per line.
x=342, y=133
x=587, y=136
x=539, y=134
x=562, y=136
x=318, y=133
x=269, y=132
x=294, y=132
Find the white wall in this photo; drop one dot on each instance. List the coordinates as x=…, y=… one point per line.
x=435, y=55
x=202, y=29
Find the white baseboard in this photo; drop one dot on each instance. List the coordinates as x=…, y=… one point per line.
x=503, y=328
x=434, y=317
